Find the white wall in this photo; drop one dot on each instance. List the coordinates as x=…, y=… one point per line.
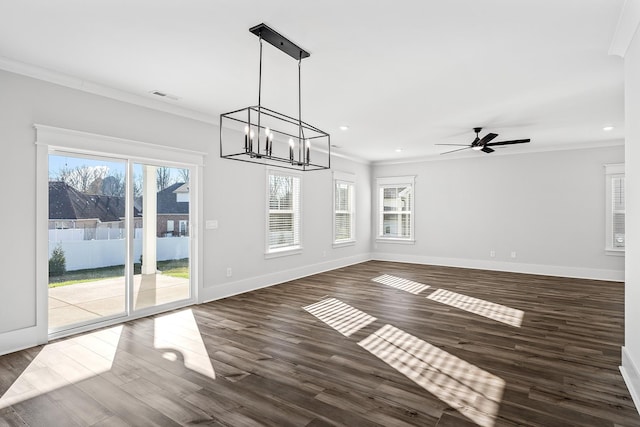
x=548, y=207
x=238, y=243
x=233, y=194
x=26, y=101
x=631, y=349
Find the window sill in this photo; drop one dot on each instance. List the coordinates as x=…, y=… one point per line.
x=395, y=241
x=614, y=252
x=344, y=243
x=277, y=253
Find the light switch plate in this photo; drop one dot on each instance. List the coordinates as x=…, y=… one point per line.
x=211, y=224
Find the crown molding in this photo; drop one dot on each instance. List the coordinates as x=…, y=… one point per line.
x=69, y=81
x=521, y=150
x=351, y=158
x=66, y=80
x=627, y=28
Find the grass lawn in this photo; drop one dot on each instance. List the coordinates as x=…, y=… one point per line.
x=174, y=268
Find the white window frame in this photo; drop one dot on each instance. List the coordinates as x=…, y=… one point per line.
x=170, y=226
x=350, y=180
x=391, y=182
x=295, y=248
x=612, y=171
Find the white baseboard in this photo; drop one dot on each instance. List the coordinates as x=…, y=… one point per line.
x=211, y=293
x=28, y=337
x=631, y=375
x=512, y=267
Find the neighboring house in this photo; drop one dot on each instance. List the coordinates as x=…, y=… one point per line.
x=173, y=210
x=98, y=216
x=72, y=209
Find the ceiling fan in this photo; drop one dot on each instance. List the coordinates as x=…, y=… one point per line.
x=484, y=143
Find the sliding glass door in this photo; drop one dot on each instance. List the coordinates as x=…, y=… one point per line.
x=161, y=235
x=87, y=240
x=119, y=239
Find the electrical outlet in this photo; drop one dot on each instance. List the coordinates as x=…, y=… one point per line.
x=513, y=254
x=492, y=254
x=229, y=272
x=324, y=254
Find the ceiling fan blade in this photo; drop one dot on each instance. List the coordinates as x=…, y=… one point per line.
x=487, y=149
x=453, y=151
x=460, y=145
x=488, y=137
x=514, y=141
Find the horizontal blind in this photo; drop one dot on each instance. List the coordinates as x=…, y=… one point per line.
x=343, y=211
x=618, y=211
x=284, y=211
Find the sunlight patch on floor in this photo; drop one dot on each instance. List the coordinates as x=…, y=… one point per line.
x=400, y=283
x=64, y=363
x=497, y=312
x=340, y=316
x=178, y=336
x=474, y=392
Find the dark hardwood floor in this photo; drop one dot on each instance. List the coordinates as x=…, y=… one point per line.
x=373, y=344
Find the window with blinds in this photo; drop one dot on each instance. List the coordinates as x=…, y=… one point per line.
x=344, y=208
x=615, y=182
x=395, y=208
x=283, y=221
x=617, y=211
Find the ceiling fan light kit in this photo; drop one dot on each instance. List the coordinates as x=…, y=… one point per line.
x=484, y=144
x=257, y=134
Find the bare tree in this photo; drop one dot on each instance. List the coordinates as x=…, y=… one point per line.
x=137, y=185
x=281, y=192
x=83, y=178
x=114, y=185
x=163, y=178
x=183, y=175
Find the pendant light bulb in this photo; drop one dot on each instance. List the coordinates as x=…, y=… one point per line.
x=291, y=150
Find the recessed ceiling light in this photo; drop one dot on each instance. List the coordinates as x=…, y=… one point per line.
x=607, y=128
x=398, y=150
x=344, y=127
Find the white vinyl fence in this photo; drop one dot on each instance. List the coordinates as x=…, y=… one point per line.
x=74, y=234
x=82, y=254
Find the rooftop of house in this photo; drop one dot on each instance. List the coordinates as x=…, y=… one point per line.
x=65, y=202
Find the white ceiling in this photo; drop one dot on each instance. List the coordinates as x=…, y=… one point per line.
x=401, y=74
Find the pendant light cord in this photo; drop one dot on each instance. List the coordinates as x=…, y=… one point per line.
x=300, y=143
x=260, y=75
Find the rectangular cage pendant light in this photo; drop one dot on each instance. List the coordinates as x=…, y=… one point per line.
x=257, y=134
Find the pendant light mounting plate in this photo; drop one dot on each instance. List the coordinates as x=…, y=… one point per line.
x=278, y=40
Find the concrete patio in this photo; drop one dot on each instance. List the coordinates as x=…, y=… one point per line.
x=106, y=297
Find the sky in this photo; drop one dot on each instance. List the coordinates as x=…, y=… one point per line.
x=57, y=162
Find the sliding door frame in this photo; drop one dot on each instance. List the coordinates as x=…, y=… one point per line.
x=57, y=140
